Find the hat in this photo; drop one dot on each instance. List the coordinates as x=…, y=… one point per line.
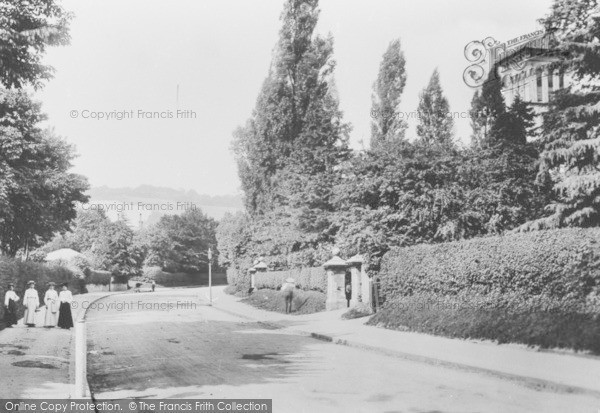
x=51, y=283
x=11, y=285
x=30, y=282
x=290, y=280
x=64, y=285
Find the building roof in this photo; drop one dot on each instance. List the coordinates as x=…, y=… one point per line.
x=64, y=254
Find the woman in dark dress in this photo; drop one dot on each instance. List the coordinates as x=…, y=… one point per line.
x=65, y=318
x=10, y=306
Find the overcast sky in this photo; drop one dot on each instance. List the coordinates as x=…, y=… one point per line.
x=131, y=55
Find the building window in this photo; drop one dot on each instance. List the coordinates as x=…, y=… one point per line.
x=550, y=82
x=539, y=86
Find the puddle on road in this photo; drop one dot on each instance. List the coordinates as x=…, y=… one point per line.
x=16, y=353
x=18, y=346
x=33, y=363
x=173, y=340
x=273, y=357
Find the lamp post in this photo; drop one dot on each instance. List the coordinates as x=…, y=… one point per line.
x=209, y=277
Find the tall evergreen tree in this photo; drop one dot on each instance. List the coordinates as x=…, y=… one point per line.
x=435, y=120
x=571, y=127
x=487, y=106
x=387, y=125
x=296, y=129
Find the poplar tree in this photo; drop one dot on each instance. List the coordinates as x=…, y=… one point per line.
x=295, y=136
x=387, y=125
x=435, y=120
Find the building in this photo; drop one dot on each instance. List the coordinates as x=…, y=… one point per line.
x=530, y=71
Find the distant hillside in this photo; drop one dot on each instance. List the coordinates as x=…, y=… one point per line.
x=157, y=192
x=146, y=204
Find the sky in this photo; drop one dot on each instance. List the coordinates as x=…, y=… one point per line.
x=208, y=59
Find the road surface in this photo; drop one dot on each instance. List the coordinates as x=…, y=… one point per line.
x=172, y=345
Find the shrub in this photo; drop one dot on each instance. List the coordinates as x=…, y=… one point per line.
x=559, y=263
x=537, y=288
x=98, y=277
x=152, y=272
x=537, y=321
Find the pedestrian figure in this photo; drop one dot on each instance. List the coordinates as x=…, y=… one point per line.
x=65, y=318
x=31, y=301
x=288, y=293
x=348, y=293
x=10, y=306
x=153, y=285
x=51, y=301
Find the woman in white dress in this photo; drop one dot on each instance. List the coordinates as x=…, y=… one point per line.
x=31, y=301
x=10, y=306
x=65, y=319
x=51, y=301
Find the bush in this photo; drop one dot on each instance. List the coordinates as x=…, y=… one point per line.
x=98, y=277
x=538, y=321
x=152, y=272
x=559, y=263
x=308, y=279
x=538, y=288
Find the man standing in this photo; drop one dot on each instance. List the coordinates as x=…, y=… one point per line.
x=31, y=301
x=288, y=293
x=10, y=306
x=153, y=285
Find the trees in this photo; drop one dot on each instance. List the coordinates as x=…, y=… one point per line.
x=435, y=120
x=570, y=160
x=387, y=125
x=296, y=127
x=179, y=243
x=37, y=193
x=28, y=28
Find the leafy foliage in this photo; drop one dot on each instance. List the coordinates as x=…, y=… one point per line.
x=296, y=128
x=570, y=160
x=27, y=28
x=563, y=264
x=435, y=120
x=37, y=193
x=179, y=243
x=388, y=127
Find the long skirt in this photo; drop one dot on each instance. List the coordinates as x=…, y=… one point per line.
x=65, y=319
x=31, y=305
x=51, y=315
x=10, y=314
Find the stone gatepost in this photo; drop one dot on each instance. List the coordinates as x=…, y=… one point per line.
x=252, y=272
x=259, y=266
x=358, y=288
x=336, y=279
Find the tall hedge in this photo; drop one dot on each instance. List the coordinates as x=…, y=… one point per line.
x=537, y=288
x=309, y=279
x=561, y=263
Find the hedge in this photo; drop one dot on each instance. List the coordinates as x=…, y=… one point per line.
x=557, y=263
x=308, y=279
x=98, y=277
x=538, y=288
